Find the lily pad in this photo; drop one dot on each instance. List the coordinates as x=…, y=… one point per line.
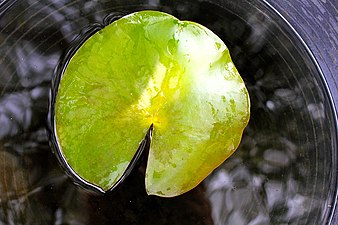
x=149, y=70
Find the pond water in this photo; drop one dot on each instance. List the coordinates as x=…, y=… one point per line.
x=282, y=173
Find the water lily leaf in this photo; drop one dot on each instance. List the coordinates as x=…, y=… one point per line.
x=149, y=68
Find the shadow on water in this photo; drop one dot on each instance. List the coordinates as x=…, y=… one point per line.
x=281, y=174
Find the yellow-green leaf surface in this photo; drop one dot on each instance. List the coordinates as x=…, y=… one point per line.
x=150, y=68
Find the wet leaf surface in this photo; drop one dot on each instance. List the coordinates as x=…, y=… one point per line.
x=149, y=68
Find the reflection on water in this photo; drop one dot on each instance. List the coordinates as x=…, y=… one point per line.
x=282, y=173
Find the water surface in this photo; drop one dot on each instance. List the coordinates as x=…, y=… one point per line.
x=283, y=172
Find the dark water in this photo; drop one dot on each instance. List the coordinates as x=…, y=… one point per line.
x=283, y=172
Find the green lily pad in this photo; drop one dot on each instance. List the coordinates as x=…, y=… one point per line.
x=149, y=68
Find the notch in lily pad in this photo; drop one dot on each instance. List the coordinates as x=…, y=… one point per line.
x=148, y=82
